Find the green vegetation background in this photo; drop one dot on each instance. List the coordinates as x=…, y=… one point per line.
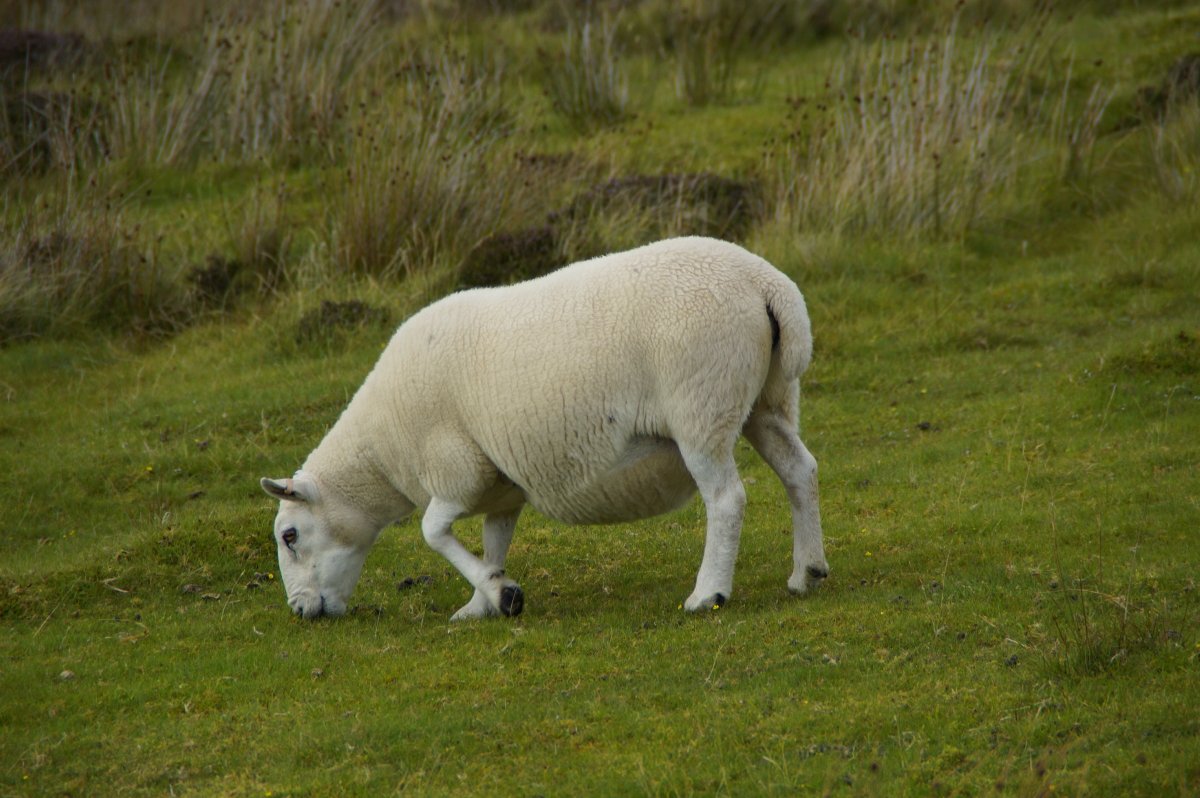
x=212, y=218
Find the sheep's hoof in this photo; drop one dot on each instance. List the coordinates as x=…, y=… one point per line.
x=710, y=604
x=477, y=607
x=811, y=577
x=512, y=601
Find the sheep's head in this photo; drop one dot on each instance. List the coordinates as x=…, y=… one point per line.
x=320, y=544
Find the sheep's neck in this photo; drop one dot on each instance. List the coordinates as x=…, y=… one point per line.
x=348, y=461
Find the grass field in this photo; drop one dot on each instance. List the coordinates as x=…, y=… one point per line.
x=993, y=213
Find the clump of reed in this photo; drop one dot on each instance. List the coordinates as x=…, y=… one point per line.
x=428, y=178
x=272, y=82
x=913, y=138
x=707, y=40
x=73, y=260
x=1175, y=153
x=586, y=81
x=288, y=74
x=44, y=130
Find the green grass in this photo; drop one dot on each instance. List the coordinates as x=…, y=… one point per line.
x=1007, y=421
x=1050, y=506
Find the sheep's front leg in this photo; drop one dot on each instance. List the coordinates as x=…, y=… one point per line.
x=724, y=502
x=497, y=535
x=501, y=592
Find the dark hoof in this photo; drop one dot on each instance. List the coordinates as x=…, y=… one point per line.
x=719, y=601
x=512, y=601
x=816, y=572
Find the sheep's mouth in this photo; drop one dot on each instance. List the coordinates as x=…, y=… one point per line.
x=308, y=609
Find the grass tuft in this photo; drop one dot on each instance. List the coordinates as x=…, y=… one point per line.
x=586, y=82
x=642, y=208
x=1094, y=631
x=912, y=138
x=1175, y=153
x=1177, y=354
x=43, y=130
x=288, y=72
x=709, y=38
x=75, y=260
x=425, y=184
x=332, y=319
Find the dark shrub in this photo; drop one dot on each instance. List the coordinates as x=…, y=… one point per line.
x=334, y=317
x=510, y=256
x=682, y=204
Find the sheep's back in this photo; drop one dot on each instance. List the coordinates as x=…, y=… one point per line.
x=569, y=384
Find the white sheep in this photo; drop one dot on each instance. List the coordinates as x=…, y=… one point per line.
x=609, y=390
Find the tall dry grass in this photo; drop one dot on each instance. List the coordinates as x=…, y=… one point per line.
x=73, y=260
x=45, y=130
x=586, y=80
x=290, y=70
x=913, y=138
x=160, y=112
x=112, y=20
x=428, y=177
x=707, y=40
x=1175, y=153
x=273, y=81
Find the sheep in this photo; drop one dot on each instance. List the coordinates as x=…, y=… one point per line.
x=608, y=391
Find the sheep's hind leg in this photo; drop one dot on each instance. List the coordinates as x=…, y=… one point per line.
x=724, y=502
x=497, y=535
x=773, y=434
x=501, y=592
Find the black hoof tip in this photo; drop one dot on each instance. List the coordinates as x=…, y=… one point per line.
x=816, y=572
x=719, y=601
x=512, y=601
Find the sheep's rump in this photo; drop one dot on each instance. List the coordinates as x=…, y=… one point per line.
x=582, y=386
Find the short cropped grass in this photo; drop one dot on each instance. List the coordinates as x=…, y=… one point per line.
x=1005, y=406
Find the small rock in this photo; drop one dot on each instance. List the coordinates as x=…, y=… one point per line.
x=66, y=676
x=1011, y=661
x=258, y=580
x=411, y=582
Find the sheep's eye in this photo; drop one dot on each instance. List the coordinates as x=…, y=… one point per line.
x=289, y=537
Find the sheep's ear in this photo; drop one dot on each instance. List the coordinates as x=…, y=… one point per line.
x=285, y=489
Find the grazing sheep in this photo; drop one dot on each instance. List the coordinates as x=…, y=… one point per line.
x=607, y=391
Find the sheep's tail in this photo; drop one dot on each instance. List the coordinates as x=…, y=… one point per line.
x=791, y=339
